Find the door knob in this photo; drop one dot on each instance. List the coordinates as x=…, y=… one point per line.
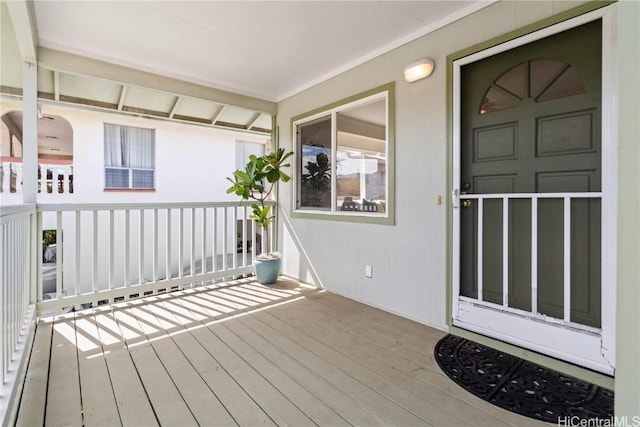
x=466, y=203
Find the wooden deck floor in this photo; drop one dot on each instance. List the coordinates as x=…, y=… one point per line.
x=247, y=355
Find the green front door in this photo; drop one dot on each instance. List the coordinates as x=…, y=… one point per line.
x=530, y=179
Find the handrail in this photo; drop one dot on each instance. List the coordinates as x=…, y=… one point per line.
x=576, y=195
x=74, y=207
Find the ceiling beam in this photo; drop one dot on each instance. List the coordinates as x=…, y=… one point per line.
x=214, y=119
x=253, y=120
x=24, y=27
x=123, y=96
x=175, y=107
x=56, y=85
x=75, y=64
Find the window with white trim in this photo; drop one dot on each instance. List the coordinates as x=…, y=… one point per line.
x=343, y=153
x=129, y=158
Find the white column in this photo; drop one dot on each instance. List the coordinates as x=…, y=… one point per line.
x=29, y=133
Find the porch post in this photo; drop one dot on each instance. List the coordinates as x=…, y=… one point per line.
x=29, y=133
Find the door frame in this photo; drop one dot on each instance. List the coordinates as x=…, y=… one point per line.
x=605, y=360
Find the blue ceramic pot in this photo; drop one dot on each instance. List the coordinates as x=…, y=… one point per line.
x=267, y=270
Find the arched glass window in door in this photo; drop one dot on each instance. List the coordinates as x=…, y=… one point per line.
x=540, y=79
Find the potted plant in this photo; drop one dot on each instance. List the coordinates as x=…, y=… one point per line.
x=256, y=182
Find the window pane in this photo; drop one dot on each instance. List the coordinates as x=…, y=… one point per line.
x=541, y=71
x=116, y=178
x=361, y=158
x=143, y=179
x=513, y=81
x=314, y=142
x=496, y=100
x=125, y=148
x=570, y=82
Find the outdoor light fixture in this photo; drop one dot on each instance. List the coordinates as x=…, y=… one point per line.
x=418, y=70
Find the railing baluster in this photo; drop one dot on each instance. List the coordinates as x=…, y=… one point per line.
x=94, y=252
x=203, y=257
x=59, y=250
x=180, y=242
x=225, y=244
x=192, y=249
x=567, y=259
x=480, y=251
x=168, y=244
x=214, y=238
x=5, y=178
x=505, y=251
x=245, y=211
x=78, y=278
x=155, y=246
x=534, y=255
x=111, y=249
x=234, y=255
x=127, y=218
x=141, y=247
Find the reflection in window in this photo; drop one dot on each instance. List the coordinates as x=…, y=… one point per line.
x=343, y=159
x=570, y=82
x=513, y=81
x=496, y=100
x=315, y=166
x=547, y=80
x=361, y=159
x=542, y=71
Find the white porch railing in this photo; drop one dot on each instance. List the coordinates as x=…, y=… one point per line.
x=17, y=313
x=53, y=177
x=108, y=253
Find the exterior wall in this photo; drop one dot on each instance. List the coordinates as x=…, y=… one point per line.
x=627, y=387
x=192, y=162
x=410, y=259
x=334, y=254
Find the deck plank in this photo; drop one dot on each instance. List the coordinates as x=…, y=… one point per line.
x=34, y=393
x=412, y=403
x=131, y=398
x=355, y=314
x=331, y=329
x=381, y=406
x=327, y=392
x=165, y=398
x=64, y=406
x=280, y=409
x=320, y=413
x=98, y=402
x=199, y=397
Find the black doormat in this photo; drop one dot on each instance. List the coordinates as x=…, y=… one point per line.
x=520, y=386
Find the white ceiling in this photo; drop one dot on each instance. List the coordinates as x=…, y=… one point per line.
x=265, y=49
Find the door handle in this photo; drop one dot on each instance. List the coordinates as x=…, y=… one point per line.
x=455, y=198
x=466, y=203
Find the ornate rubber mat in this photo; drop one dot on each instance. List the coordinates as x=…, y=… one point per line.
x=521, y=386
